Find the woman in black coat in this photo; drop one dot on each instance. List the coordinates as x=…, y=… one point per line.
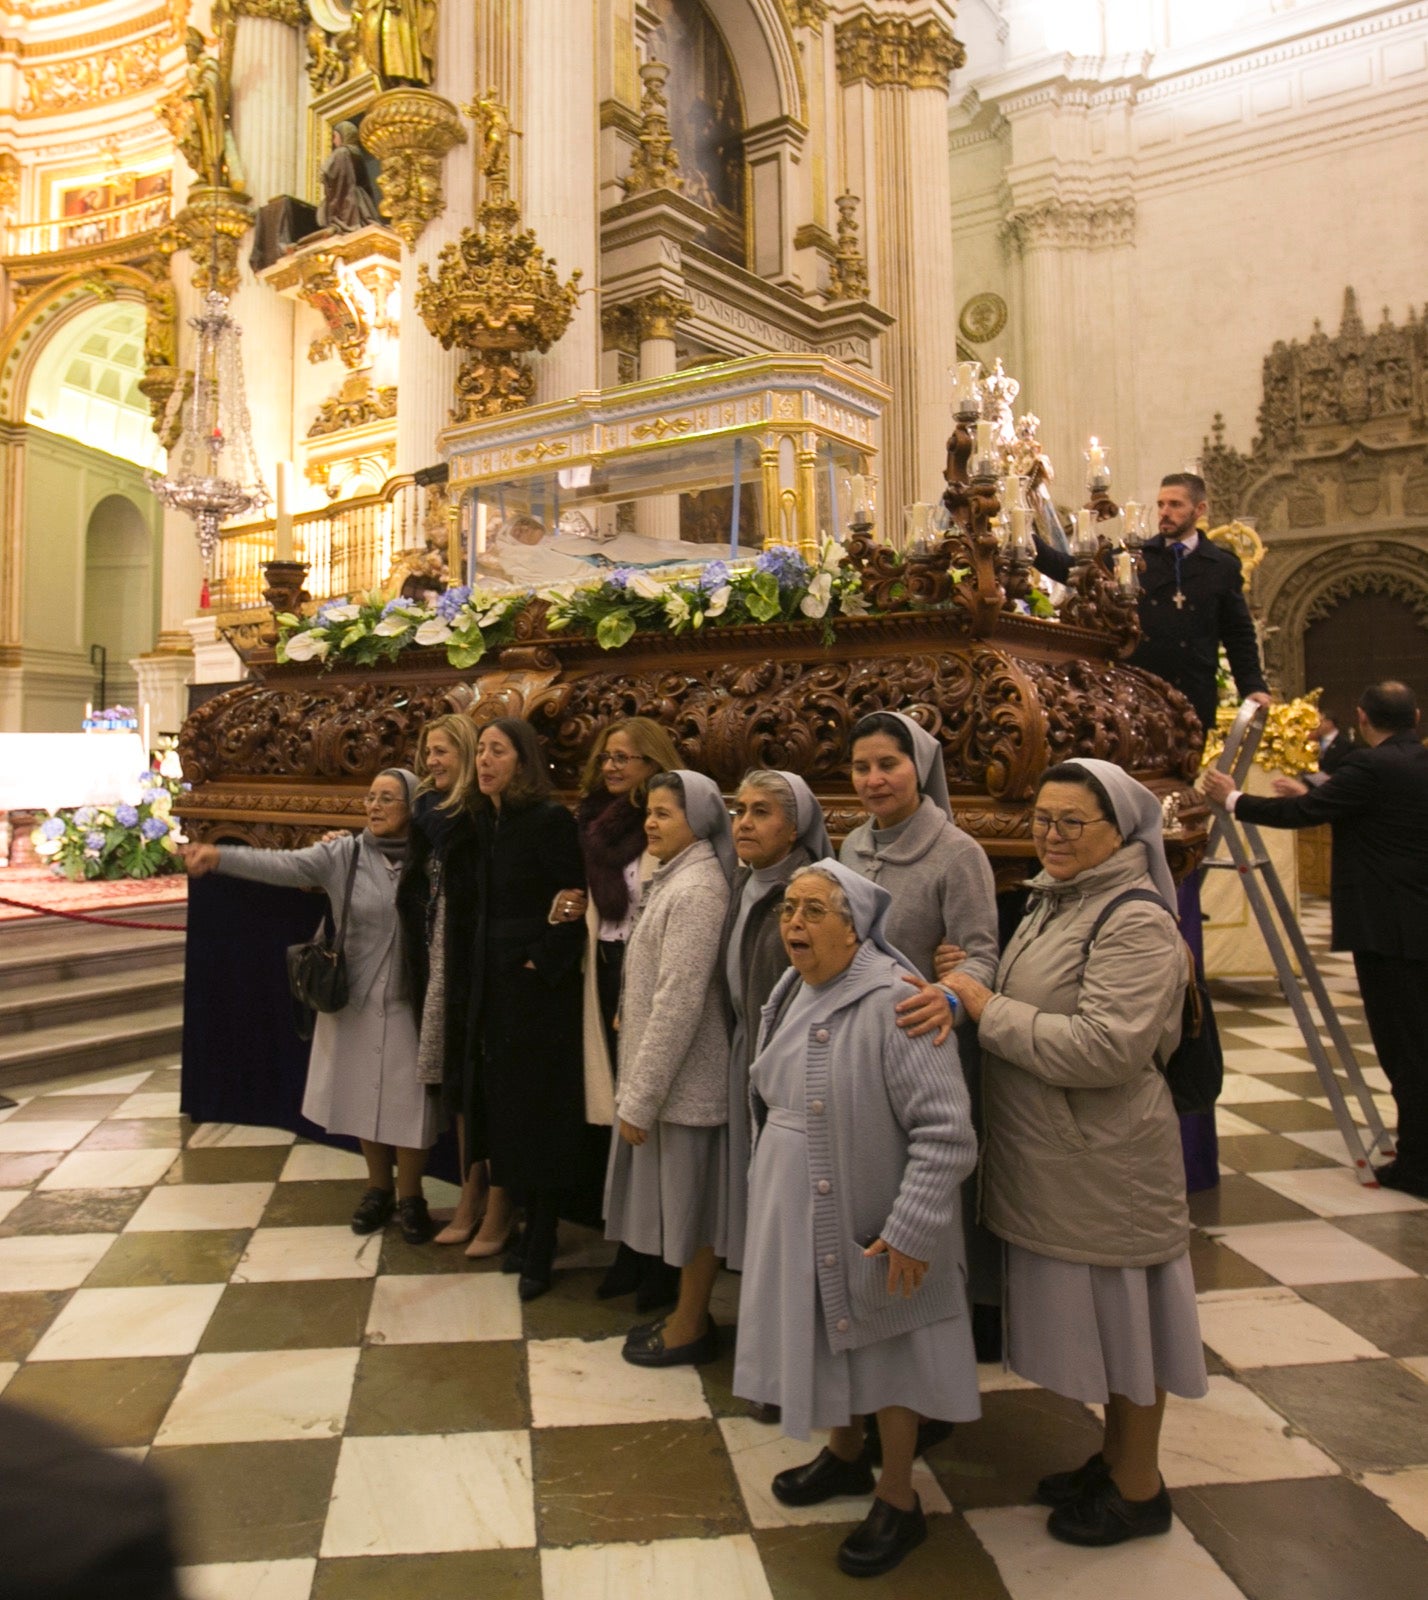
x=528, y=995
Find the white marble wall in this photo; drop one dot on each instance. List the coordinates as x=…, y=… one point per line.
x=1185, y=208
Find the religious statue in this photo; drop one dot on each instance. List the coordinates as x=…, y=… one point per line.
x=348, y=199
x=495, y=134
x=206, y=135
x=397, y=40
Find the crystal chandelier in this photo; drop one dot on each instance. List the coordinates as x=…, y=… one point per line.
x=212, y=468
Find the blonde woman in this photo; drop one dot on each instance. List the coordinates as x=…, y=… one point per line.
x=439, y=900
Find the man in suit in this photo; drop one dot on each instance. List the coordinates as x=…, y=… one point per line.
x=1191, y=602
x=1375, y=801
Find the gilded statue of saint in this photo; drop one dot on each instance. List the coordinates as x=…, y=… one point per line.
x=397, y=40
x=495, y=134
x=207, y=139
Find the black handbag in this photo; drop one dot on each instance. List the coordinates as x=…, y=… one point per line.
x=317, y=968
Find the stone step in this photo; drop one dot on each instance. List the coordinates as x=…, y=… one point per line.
x=48, y=951
x=90, y=998
x=63, y=1049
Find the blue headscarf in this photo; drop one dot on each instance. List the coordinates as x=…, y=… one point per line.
x=869, y=904
x=708, y=815
x=808, y=815
x=1137, y=816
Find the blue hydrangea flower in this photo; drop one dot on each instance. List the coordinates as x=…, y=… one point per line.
x=713, y=577
x=620, y=577
x=787, y=566
x=148, y=796
x=146, y=777
x=126, y=816
x=84, y=816
x=393, y=605
x=451, y=602
x=52, y=828
x=93, y=841
x=153, y=828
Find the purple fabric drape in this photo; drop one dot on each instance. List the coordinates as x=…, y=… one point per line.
x=1198, y=1138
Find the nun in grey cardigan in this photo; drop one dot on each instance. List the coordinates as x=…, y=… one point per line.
x=362, y=1073
x=864, y=1133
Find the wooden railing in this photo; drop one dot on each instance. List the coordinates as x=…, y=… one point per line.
x=349, y=546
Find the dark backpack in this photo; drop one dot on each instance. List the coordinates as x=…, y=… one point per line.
x=1195, y=1071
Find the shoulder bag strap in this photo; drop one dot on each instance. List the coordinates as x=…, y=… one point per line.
x=1104, y=915
x=347, y=894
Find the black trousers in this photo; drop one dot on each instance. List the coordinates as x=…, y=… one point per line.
x=1395, y=996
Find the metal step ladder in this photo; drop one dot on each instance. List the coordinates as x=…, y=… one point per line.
x=1244, y=853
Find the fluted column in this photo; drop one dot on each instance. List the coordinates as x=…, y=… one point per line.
x=656, y=316
x=560, y=153
x=267, y=66
x=893, y=67
x=426, y=374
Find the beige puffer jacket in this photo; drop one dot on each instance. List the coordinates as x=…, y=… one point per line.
x=1082, y=1157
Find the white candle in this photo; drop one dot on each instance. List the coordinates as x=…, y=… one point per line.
x=984, y=438
x=1018, y=522
x=858, y=492
x=967, y=379
x=147, y=746
x=481, y=513
x=1096, y=458
x=88, y=710
x=283, y=521
x=1123, y=569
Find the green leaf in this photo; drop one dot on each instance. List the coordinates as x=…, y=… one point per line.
x=466, y=652
x=614, y=630
x=762, y=597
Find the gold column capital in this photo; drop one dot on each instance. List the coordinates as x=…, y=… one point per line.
x=657, y=313
x=896, y=51
x=806, y=13
x=292, y=13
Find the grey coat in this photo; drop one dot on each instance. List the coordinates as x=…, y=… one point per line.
x=762, y=957
x=889, y=1142
x=674, y=1044
x=1082, y=1159
x=941, y=886
x=372, y=921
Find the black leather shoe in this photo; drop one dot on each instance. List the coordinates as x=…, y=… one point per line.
x=651, y=1350
x=659, y=1286
x=1396, y=1176
x=414, y=1220
x=1104, y=1516
x=881, y=1540
x=765, y=1412
x=1061, y=1488
x=642, y=1330
x=515, y=1257
x=534, y=1284
x=374, y=1210
x=822, y=1478
x=623, y=1275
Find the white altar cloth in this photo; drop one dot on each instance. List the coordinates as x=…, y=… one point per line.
x=44, y=771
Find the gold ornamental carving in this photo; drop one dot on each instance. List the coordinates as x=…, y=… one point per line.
x=662, y=428
x=849, y=278
x=409, y=131
x=51, y=87
x=657, y=314
x=982, y=318
x=291, y=13
x=494, y=295
x=9, y=183
x=896, y=51
x=210, y=226
x=358, y=402
x=1243, y=541
x=332, y=58
x=806, y=13
x=655, y=165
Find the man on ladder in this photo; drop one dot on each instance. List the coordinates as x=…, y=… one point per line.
x=1376, y=802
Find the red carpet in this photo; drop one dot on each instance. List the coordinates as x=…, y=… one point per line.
x=37, y=886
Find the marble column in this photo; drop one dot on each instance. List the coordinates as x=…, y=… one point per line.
x=560, y=151
x=426, y=374
x=656, y=314
x=267, y=70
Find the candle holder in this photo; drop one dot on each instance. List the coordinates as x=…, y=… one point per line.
x=285, y=580
x=1098, y=468
x=966, y=391
x=858, y=503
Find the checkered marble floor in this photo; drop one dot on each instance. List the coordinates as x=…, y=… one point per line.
x=342, y=1417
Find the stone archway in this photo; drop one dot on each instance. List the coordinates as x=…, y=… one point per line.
x=1311, y=589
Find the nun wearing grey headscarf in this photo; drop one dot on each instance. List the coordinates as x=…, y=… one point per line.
x=362, y=1071
x=1082, y=1171
x=853, y=1300
x=778, y=828
x=664, y=1188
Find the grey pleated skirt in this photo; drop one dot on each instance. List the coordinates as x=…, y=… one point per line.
x=1090, y=1332
x=666, y=1197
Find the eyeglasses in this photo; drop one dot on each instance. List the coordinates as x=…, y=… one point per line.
x=1068, y=828
x=383, y=800
x=617, y=758
x=812, y=911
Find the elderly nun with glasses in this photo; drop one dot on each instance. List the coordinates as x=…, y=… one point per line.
x=1082, y=1172
x=854, y=1298
x=362, y=1075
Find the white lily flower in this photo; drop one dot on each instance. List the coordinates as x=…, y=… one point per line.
x=719, y=602
x=489, y=618
x=646, y=587
x=345, y=613
x=310, y=646
x=433, y=631
x=820, y=593
x=390, y=627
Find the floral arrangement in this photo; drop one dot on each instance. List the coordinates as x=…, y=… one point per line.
x=121, y=841
x=779, y=586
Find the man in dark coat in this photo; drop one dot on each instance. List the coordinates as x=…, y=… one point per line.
x=1375, y=801
x=1191, y=602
